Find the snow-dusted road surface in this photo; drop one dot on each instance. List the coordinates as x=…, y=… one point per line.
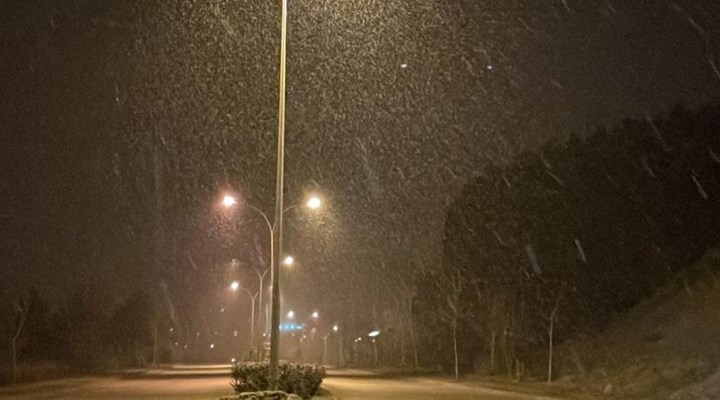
x=352, y=385
x=356, y=388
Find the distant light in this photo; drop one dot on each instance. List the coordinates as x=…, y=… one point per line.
x=314, y=202
x=489, y=67
x=291, y=327
x=335, y=328
x=289, y=260
x=172, y=329
x=235, y=285
x=212, y=345
x=316, y=314
x=235, y=333
x=232, y=360
x=291, y=314
x=403, y=65
x=373, y=333
x=228, y=201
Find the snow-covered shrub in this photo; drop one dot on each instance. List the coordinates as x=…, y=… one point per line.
x=301, y=379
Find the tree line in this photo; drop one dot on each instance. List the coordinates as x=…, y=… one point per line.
x=552, y=245
x=85, y=332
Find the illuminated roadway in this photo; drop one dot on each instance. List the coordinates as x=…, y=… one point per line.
x=206, y=385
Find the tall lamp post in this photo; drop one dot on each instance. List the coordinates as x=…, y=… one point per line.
x=276, y=229
x=261, y=280
x=279, y=183
x=235, y=285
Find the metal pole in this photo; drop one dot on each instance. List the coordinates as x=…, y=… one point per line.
x=260, y=315
x=262, y=321
x=252, y=323
x=275, y=277
x=324, y=354
x=261, y=277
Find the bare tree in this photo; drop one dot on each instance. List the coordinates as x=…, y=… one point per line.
x=496, y=320
x=553, y=318
x=406, y=291
x=452, y=309
x=491, y=301
x=21, y=314
x=409, y=296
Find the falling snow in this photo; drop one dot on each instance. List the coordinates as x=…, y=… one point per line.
x=123, y=122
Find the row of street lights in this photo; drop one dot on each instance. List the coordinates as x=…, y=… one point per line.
x=229, y=201
x=314, y=315
x=235, y=286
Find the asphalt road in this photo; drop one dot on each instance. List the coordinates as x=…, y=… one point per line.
x=354, y=388
x=205, y=388
x=347, y=387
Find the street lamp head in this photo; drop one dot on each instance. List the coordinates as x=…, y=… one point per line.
x=314, y=203
x=335, y=328
x=228, y=201
x=291, y=314
x=235, y=285
x=315, y=315
x=289, y=260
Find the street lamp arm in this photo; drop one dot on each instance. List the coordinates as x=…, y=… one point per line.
x=291, y=207
x=264, y=216
x=249, y=293
x=260, y=275
x=296, y=205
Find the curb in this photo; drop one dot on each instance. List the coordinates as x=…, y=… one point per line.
x=324, y=394
x=169, y=376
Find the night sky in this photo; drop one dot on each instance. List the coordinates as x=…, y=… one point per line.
x=392, y=107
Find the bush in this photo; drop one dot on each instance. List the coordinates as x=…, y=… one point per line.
x=301, y=379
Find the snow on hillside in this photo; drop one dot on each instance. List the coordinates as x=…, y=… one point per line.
x=667, y=347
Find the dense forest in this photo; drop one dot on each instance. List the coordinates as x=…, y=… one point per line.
x=551, y=246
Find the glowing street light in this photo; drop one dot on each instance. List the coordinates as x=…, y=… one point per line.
x=315, y=315
x=228, y=201
x=374, y=333
x=291, y=314
x=314, y=203
x=235, y=285
x=289, y=260
x=335, y=328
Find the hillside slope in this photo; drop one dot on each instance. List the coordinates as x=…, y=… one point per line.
x=667, y=347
